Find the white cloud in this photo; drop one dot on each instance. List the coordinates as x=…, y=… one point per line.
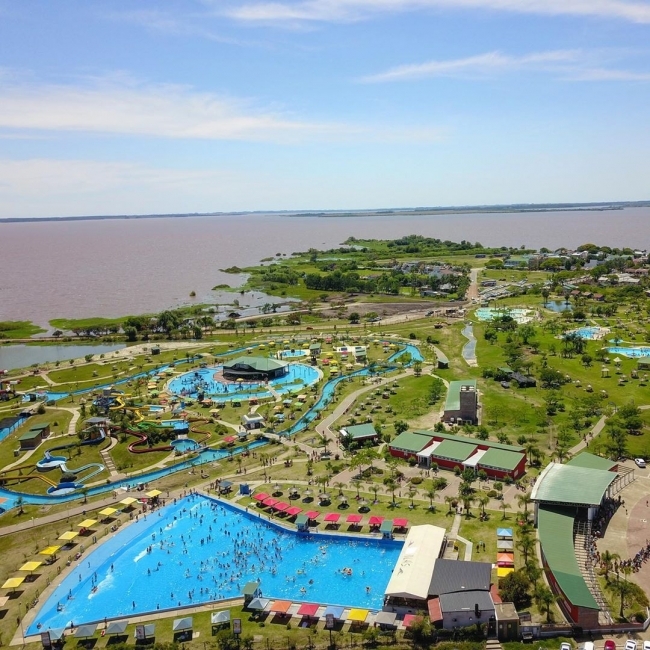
x=120, y=105
x=573, y=65
x=350, y=10
x=479, y=65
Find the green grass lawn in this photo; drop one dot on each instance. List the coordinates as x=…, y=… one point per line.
x=18, y=329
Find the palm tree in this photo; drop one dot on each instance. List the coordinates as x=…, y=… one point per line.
x=533, y=572
x=607, y=559
x=545, y=598
x=525, y=544
x=468, y=500
x=483, y=499
x=340, y=487
x=20, y=502
x=620, y=588
x=357, y=484
x=412, y=492
x=431, y=495
x=375, y=488
x=449, y=500
x=390, y=486
x=524, y=499
x=504, y=506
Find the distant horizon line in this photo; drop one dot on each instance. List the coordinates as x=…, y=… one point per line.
x=367, y=212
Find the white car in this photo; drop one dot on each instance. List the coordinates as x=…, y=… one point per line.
x=646, y=645
x=640, y=462
x=565, y=646
x=631, y=645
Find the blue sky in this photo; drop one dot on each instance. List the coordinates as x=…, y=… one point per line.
x=221, y=105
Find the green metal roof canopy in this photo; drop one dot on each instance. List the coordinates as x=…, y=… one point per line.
x=453, y=450
x=591, y=461
x=570, y=484
x=264, y=364
x=555, y=528
x=501, y=459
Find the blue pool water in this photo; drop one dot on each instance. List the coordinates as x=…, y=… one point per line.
x=180, y=425
x=588, y=333
x=161, y=563
x=291, y=354
x=185, y=445
x=633, y=353
x=156, y=409
x=191, y=383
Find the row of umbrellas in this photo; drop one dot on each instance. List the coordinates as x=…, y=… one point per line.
x=279, y=506
x=505, y=552
x=68, y=536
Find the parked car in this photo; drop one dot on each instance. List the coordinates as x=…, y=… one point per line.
x=565, y=646
x=610, y=644
x=640, y=462
x=587, y=645
x=646, y=645
x=631, y=645
x=505, y=384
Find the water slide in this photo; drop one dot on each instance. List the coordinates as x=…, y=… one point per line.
x=119, y=399
x=143, y=439
x=15, y=475
x=96, y=467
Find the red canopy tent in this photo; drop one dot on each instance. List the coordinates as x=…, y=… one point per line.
x=375, y=520
x=229, y=439
x=293, y=511
x=353, y=519
x=308, y=609
x=269, y=502
x=261, y=496
x=400, y=523
x=281, y=506
x=332, y=517
x=312, y=514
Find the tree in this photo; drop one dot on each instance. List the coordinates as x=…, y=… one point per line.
x=504, y=506
x=354, y=317
x=607, y=559
x=524, y=500
x=513, y=588
x=131, y=334
x=20, y=503
x=545, y=598
x=417, y=368
x=401, y=426
x=525, y=544
x=483, y=499
x=622, y=589
x=431, y=495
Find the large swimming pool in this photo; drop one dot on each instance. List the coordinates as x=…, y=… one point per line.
x=633, y=353
x=202, y=380
x=591, y=332
x=490, y=313
x=200, y=550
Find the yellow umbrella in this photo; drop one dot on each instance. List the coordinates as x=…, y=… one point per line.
x=30, y=566
x=12, y=583
x=107, y=512
x=87, y=523
x=50, y=550
x=153, y=493
x=128, y=501
x=69, y=535
x=358, y=615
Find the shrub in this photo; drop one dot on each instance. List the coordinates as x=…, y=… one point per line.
x=416, y=480
x=492, y=494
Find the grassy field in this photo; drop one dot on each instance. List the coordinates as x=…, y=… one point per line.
x=18, y=329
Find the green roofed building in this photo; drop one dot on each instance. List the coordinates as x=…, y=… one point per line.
x=570, y=484
x=409, y=445
x=462, y=402
x=591, y=461
x=254, y=369
x=452, y=450
x=358, y=433
x=555, y=529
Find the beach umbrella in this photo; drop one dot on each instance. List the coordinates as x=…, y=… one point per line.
x=69, y=535
x=30, y=566
x=87, y=523
x=50, y=551
x=12, y=583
